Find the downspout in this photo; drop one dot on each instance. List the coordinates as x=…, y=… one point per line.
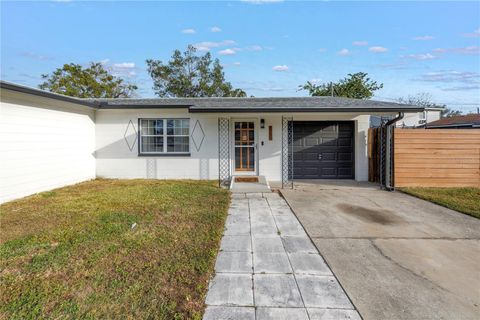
x=389, y=156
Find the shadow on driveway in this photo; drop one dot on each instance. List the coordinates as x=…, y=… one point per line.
x=398, y=257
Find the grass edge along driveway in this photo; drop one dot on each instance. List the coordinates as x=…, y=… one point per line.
x=465, y=200
x=111, y=249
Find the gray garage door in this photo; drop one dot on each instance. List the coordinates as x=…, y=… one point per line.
x=323, y=150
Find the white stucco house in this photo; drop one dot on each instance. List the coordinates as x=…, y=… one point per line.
x=50, y=140
x=414, y=119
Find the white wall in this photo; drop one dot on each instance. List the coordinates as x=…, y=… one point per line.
x=413, y=119
x=44, y=144
x=116, y=160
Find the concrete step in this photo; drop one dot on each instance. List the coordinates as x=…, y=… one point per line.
x=250, y=187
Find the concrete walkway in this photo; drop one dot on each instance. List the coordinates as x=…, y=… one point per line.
x=268, y=268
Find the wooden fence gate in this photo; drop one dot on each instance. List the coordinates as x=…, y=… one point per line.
x=429, y=157
x=437, y=158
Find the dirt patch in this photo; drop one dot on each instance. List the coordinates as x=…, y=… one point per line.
x=380, y=216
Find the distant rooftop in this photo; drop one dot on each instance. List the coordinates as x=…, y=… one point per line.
x=291, y=104
x=469, y=120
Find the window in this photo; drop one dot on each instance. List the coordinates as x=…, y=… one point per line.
x=422, y=117
x=159, y=136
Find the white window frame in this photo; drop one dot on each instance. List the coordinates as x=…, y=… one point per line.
x=164, y=135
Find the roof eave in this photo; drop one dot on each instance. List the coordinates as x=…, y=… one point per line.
x=302, y=110
x=45, y=94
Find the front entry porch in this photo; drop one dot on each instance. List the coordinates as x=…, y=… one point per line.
x=253, y=184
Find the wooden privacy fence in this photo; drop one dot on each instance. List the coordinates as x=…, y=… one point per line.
x=437, y=157
x=374, y=155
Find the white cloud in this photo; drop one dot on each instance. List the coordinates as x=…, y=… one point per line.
x=421, y=56
x=280, y=68
x=322, y=50
x=227, y=52
x=208, y=45
x=254, y=48
x=122, y=69
x=462, y=88
x=378, y=49
x=360, y=43
x=474, y=34
x=125, y=65
x=423, y=38
x=463, y=50
x=261, y=1
x=189, y=31
x=215, y=29
x=344, y=52
x=236, y=63
x=36, y=56
x=451, y=76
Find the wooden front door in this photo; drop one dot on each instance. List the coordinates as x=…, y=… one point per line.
x=245, y=146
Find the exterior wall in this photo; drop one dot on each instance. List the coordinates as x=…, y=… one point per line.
x=116, y=160
x=44, y=144
x=412, y=120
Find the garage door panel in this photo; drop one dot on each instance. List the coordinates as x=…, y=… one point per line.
x=344, y=142
x=343, y=156
x=345, y=172
x=329, y=173
x=323, y=150
x=311, y=141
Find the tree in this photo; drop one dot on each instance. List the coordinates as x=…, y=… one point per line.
x=356, y=85
x=447, y=112
x=91, y=82
x=189, y=75
x=424, y=99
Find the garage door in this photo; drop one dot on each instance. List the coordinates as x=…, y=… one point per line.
x=323, y=150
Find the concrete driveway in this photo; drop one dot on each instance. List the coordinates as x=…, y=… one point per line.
x=397, y=257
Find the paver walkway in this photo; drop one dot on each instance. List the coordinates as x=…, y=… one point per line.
x=268, y=268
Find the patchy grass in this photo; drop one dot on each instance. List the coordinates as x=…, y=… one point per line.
x=465, y=200
x=72, y=253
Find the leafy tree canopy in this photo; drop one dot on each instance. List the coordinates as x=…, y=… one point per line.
x=190, y=75
x=357, y=85
x=93, y=81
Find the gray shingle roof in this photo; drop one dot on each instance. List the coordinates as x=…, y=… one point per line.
x=291, y=104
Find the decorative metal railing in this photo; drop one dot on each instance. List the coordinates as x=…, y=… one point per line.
x=224, y=173
x=287, y=152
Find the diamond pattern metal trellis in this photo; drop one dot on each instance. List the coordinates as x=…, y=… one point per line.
x=287, y=152
x=198, y=135
x=130, y=135
x=224, y=174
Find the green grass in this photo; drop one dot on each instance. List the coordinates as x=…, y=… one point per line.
x=465, y=200
x=72, y=253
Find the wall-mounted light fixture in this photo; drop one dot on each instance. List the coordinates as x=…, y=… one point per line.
x=262, y=123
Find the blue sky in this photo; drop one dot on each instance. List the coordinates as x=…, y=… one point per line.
x=268, y=49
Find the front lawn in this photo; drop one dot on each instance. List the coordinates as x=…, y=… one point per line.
x=464, y=200
x=111, y=249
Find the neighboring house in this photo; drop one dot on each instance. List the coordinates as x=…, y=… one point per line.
x=469, y=121
x=413, y=119
x=50, y=140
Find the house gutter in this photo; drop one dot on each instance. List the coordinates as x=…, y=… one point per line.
x=389, y=155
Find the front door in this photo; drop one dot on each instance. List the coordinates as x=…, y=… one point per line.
x=244, y=145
